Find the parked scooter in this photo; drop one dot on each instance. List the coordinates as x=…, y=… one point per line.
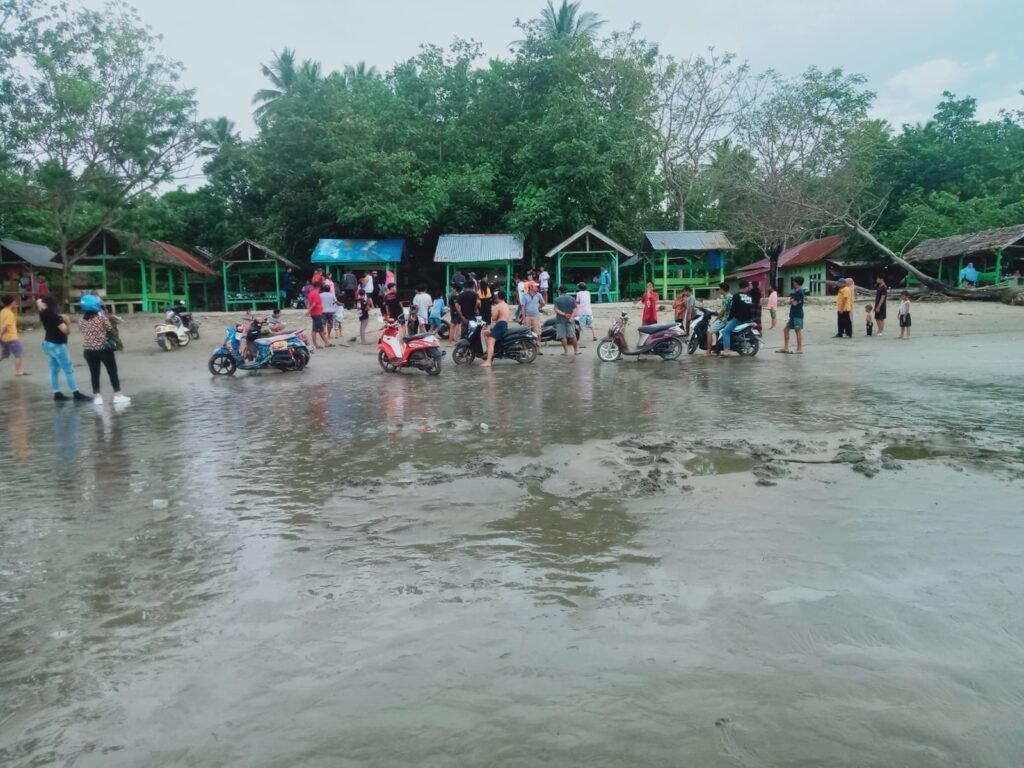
x=519, y=344
x=746, y=338
x=547, y=331
x=419, y=350
x=171, y=336
x=286, y=352
x=663, y=339
x=179, y=315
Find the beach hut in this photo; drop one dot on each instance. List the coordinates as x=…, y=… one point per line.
x=579, y=258
x=252, y=275
x=362, y=255
x=815, y=261
x=995, y=253
x=694, y=258
x=131, y=273
x=490, y=255
x=21, y=267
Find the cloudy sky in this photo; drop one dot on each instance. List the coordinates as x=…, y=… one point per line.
x=911, y=50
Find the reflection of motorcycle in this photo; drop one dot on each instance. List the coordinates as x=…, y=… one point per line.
x=746, y=339
x=286, y=352
x=420, y=350
x=519, y=344
x=664, y=340
x=547, y=331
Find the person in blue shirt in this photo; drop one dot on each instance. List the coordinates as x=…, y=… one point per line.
x=604, y=284
x=969, y=275
x=436, y=312
x=796, y=318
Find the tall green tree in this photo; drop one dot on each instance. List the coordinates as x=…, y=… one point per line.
x=568, y=21
x=285, y=74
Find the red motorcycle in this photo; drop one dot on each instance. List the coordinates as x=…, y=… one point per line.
x=420, y=350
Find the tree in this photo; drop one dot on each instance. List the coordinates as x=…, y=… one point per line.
x=354, y=74
x=284, y=75
x=101, y=118
x=700, y=101
x=566, y=22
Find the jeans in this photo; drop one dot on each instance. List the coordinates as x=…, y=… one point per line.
x=60, y=360
x=603, y=290
x=727, y=332
x=96, y=357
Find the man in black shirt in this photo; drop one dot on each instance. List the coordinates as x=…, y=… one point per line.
x=468, y=303
x=741, y=311
x=881, y=296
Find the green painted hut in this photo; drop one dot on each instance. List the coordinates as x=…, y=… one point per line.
x=676, y=259
x=252, y=275
x=997, y=254
x=579, y=258
x=490, y=256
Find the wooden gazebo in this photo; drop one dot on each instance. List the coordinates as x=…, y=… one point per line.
x=493, y=255
x=995, y=253
x=252, y=275
x=680, y=258
x=580, y=256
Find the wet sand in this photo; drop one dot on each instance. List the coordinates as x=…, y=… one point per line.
x=776, y=561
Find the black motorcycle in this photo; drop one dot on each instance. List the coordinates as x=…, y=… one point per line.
x=547, y=331
x=519, y=344
x=746, y=338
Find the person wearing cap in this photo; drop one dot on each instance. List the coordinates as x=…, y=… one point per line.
x=532, y=302
x=844, y=310
x=98, y=350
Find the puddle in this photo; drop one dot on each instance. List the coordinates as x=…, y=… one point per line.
x=720, y=463
x=913, y=452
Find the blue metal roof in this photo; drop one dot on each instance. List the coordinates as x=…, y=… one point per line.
x=358, y=252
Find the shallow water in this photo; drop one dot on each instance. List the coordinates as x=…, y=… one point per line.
x=709, y=562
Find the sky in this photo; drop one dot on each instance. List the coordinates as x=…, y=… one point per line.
x=911, y=50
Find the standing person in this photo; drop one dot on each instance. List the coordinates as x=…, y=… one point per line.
x=421, y=306
x=545, y=283
x=741, y=311
x=565, y=327
x=905, y=316
x=455, y=327
x=326, y=282
x=316, y=315
x=650, y=304
x=869, y=318
x=9, y=344
x=459, y=281
x=468, y=305
x=436, y=313
x=725, y=299
x=682, y=309
x=368, y=285
x=881, y=296
x=604, y=285
x=496, y=331
x=772, y=302
x=486, y=297
x=796, y=318
x=363, y=306
x=349, y=286
x=520, y=293
x=55, y=345
x=844, y=310
x=755, y=296
x=531, y=304
x=584, y=309
x=393, y=305
x=330, y=306
x=307, y=287
x=288, y=284
x=98, y=351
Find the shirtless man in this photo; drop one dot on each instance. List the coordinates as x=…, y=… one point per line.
x=500, y=315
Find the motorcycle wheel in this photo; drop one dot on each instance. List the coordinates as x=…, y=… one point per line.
x=183, y=341
x=193, y=331
x=433, y=368
x=608, y=351
x=162, y=343
x=462, y=354
x=525, y=353
x=222, y=365
x=749, y=348
x=694, y=344
x=671, y=349
x=445, y=330
x=384, y=363
x=301, y=359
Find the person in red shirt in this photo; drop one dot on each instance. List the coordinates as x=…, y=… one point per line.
x=316, y=314
x=650, y=304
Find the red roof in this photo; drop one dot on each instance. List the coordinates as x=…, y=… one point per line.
x=172, y=254
x=810, y=252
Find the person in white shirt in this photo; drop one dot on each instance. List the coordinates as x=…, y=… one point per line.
x=584, y=312
x=545, y=282
x=330, y=303
x=421, y=307
x=368, y=285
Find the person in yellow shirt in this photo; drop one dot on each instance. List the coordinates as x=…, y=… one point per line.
x=9, y=344
x=844, y=309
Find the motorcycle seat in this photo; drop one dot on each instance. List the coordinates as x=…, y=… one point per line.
x=264, y=341
x=515, y=331
x=656, y=327
x=415, y=336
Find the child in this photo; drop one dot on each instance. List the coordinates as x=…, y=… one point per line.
x=339, y=315
x=584, y=311
x=905, y=316
x=9, y=344
x=869, y=317
x=772, y=302
x=436, y=312
x=363, y=306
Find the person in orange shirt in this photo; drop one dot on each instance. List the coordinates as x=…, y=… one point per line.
x=844, y=309
x=9, y=344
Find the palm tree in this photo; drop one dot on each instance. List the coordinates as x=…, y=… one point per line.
x=566, y=22
x=284, y=74
x=217, y=135
x=359, y=72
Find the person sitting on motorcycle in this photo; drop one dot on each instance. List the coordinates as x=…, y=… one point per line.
x=720, y=318
x=741, y=310
x=252, y=332
x=501, y=313
x=275, y=323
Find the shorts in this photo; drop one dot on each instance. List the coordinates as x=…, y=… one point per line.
x=318, y=323
x=10, y=349
x=795, y=324
x=773, y=313
x=498, y=330
x=533, y=323
x=716, y=326
x=564, y=329
x=328, y=322
x=880, y=314
x=435, y=321
x=904, y=321
x=586, y=321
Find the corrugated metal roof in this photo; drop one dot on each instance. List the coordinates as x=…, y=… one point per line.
x=468, y=249
x=36, y=255
x=810, y=252
x=962, y=245
x=165, y=253
x=358, y=252
x=588, y=230
x=689, y=240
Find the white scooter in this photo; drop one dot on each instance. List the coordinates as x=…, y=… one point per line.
x=173, y=333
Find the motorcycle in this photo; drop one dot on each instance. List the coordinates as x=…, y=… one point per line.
x=178, y=328
x=746, y=338
x=179, y=315
x=519, y=344
x=663, y=339
x=419, y=350
x=547, y=331
x=286, y=352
